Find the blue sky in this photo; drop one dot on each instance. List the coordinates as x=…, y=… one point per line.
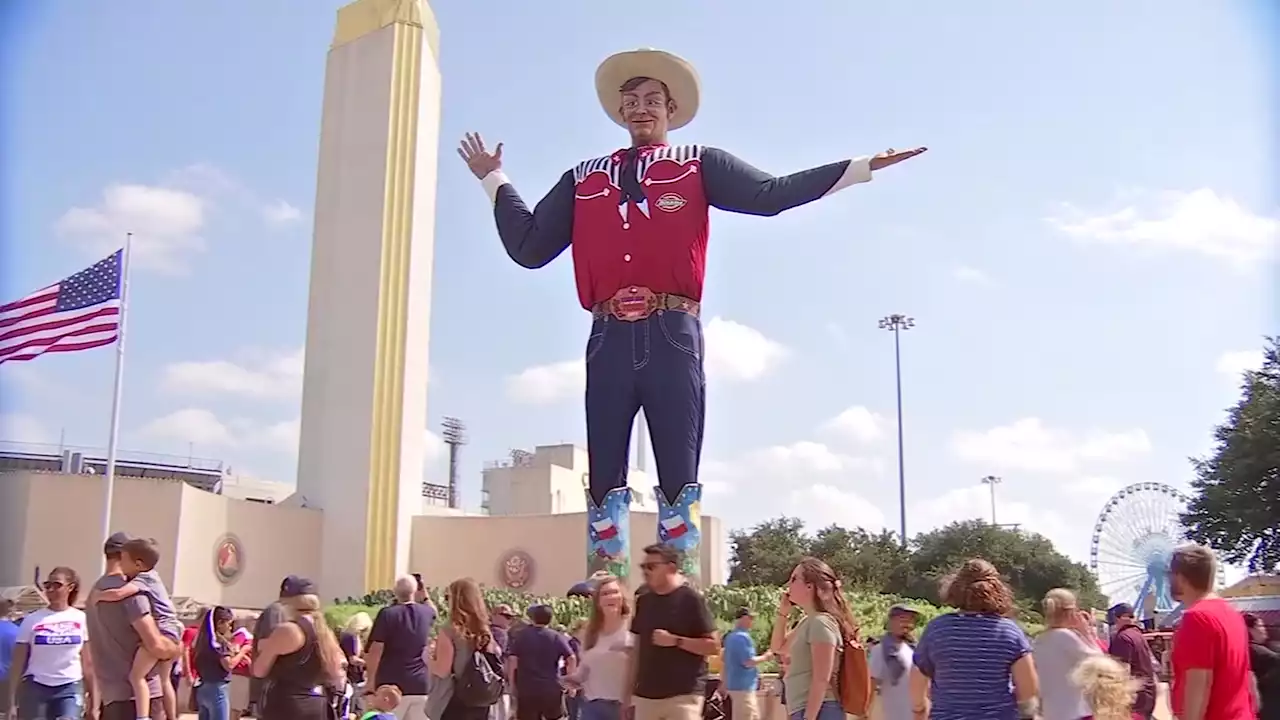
x=1084, y=247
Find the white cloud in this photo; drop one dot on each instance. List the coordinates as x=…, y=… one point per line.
x=545, y=384
x=280, y=212
x=970, y=275
x=259, y=375
x=23, y=428
x=859, y=424
x=804, y=479
x=1200, y=221
x=165, y=223
x=737, y=352
x=1029, y=445
x=1234, y=364
x=195, y=426
x=734, y=352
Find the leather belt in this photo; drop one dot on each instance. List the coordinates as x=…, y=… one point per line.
x=635, y=303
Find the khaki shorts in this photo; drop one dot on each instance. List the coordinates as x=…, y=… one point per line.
x=744, y=704
x=680, y=707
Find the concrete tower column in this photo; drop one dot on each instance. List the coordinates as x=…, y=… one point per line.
x=364, y=403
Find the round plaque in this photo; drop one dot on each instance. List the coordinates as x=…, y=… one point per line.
x=515, y=570
x=228, y=559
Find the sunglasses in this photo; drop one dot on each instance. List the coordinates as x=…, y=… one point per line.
x=54, y=585
x=650, y=566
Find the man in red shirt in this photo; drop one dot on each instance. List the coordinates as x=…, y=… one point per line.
x=1211, y=676
x=637, y=220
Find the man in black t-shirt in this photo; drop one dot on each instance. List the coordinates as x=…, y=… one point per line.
x=674, y=636
x=397, y=645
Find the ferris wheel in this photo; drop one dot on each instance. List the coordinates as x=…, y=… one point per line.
x=1134, y=538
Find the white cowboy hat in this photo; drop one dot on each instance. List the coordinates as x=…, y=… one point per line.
x=676, y=72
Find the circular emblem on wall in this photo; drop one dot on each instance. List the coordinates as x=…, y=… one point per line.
x=515, y=570
x=228, y=559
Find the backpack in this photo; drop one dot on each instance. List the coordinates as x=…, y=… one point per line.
x=853, y=678
x=481, y=682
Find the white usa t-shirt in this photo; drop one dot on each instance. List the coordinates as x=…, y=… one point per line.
x=55, y=638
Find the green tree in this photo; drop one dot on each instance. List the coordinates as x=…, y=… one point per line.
x=1027, y=560
x=765, y=554
x=862, y=559
x=1236, y=506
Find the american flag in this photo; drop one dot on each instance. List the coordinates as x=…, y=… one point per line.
x=78, y=313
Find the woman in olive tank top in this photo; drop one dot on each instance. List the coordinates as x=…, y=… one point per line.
x=300, y=660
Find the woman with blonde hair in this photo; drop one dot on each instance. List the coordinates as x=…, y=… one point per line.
x=1058, y=651
x=300, y=658
x=352, y=640
x=1107, y=688
x=602, y=663
x=815, y=644
x=975, y=662
x=467, y=631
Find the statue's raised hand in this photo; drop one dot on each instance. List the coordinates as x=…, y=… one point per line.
x=481, y=161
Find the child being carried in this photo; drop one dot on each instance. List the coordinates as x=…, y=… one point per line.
x=138, y=559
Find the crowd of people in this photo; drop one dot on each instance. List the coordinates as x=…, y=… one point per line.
x=641, y=656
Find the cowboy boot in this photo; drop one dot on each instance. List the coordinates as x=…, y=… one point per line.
x=609, y=534
x=680, y=526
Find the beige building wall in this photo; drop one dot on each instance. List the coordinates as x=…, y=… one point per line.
x=447, y=548
x=553, y=480
x=51, y=519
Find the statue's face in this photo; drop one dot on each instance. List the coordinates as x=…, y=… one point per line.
x=647, y=111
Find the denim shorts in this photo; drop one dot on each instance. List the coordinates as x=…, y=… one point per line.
x=46, y=702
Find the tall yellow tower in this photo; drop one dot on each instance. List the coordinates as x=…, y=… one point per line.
x=364, y=402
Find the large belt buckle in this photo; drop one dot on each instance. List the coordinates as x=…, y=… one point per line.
x=633, y=303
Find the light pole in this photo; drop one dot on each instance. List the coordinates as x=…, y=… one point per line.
x=992, y=481
x=898, y=323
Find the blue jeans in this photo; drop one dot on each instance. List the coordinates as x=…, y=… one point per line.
x=654, y=363
x=601, y=710
x=830, y=710
x=45, y=702
x=213, y=700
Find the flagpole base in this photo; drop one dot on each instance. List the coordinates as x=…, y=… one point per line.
x=680, y=526
x=609, y=534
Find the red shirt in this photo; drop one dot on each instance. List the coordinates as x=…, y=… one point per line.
x=662, y=246
x=638, y=218
x=1212, y=636
x=188, y=646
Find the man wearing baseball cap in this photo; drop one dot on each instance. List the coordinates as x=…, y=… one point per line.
x=637, y=219
x=271, y=616
x=1129, y=646
x=741, y=666
x=891, y=661
x=118, y=630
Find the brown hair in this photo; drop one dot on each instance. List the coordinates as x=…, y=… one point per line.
x=144, y=550
x=72, y=580
x=592, y=632
x=635, y=82
x=468, y=614
x=667, y=552
x=1195, y=564
x=827, y=595
x=977, y=587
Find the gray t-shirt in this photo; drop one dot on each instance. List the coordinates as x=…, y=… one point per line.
x=115, y=642
x=1057, y=653
x=161, y=604
x=895, y=697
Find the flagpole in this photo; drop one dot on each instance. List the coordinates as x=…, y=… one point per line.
x=113, y=437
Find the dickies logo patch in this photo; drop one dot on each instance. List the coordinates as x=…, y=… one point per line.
x=670, y=202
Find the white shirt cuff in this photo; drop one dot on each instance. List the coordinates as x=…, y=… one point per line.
x=858, y=171
x=497, y=179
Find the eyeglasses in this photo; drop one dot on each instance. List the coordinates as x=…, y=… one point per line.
x=650, y=566
x=54, y=585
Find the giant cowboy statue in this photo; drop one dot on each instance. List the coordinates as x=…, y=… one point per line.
x=637, y=221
